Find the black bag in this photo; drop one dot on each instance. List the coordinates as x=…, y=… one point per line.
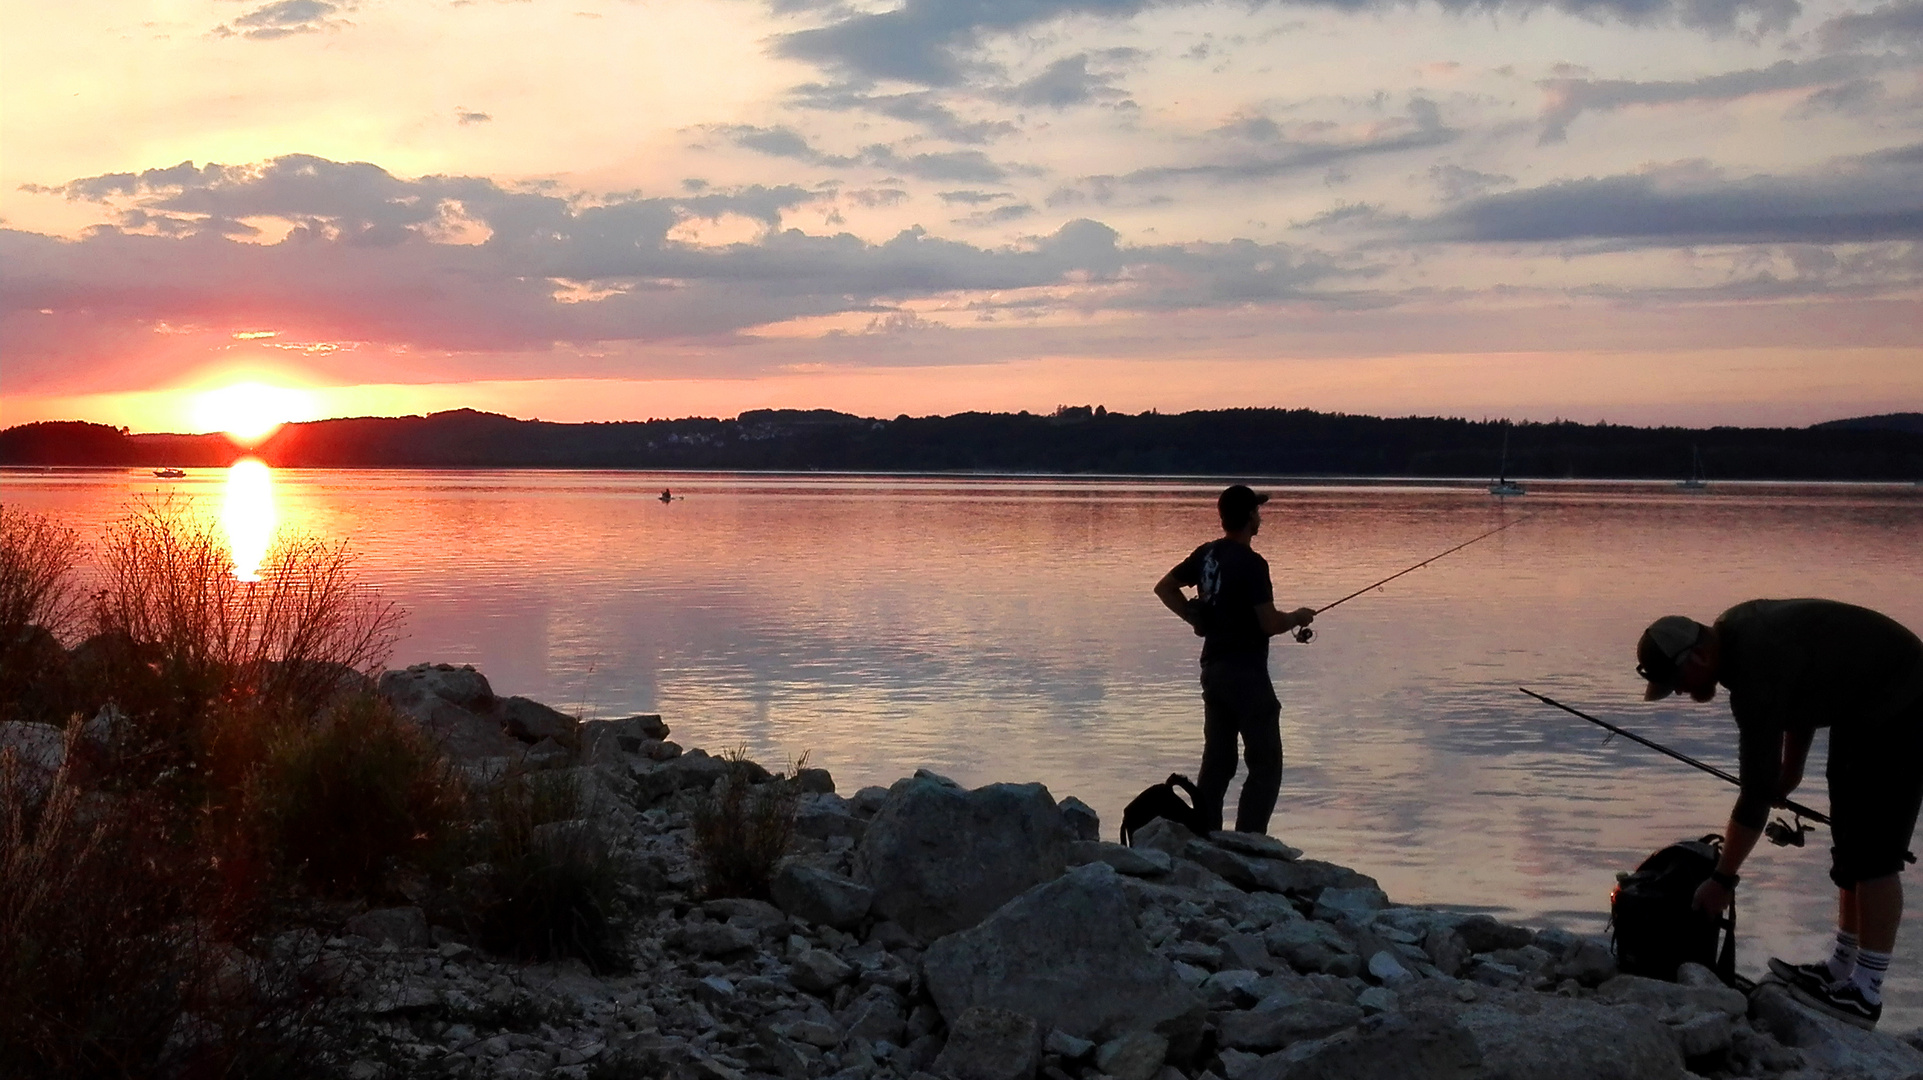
x=1654, y=925
x=1161, y=801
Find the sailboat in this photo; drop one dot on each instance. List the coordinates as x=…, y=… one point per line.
x=1505, y=487
x=1695, y=481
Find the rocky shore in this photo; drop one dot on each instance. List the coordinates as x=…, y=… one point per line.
x=926, y=931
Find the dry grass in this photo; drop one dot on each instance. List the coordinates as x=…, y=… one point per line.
x=552, y=887
x=114, y=954
x=346, y=802
x=38, y=607
x=744, y=826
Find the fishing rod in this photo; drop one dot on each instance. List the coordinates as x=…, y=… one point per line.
x=1780, y=832
x=1305, y=634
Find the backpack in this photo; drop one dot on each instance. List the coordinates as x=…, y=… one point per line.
x=1654, y=927
x=1161, y=801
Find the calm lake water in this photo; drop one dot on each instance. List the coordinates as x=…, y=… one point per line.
x=1003, y=629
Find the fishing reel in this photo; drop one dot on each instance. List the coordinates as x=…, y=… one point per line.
x=1304, y=634
x=1783, y=834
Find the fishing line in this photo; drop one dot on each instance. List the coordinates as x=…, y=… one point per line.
x=1780, y=832
x=1305, y=634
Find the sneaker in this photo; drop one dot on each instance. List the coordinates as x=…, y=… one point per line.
x=1813, y=977
x=1844, y=1001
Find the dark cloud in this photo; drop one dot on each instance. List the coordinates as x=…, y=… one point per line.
x=1900, y=25
x=1457, y=183
x=463, y=264
x=945, y=165
x=1271, y=151
x=935, y=42
x=468, y=116
x=922, y=108
x=1567, y=99
x=284, y=18
x=873, y=197
x=1000, y=215
x=972, y=198
x=1064, y=83
x=1877, y=197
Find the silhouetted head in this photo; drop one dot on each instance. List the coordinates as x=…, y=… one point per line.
x=1677, y=653
x=1237, y=506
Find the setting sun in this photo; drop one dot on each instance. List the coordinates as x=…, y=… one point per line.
x=251, y=411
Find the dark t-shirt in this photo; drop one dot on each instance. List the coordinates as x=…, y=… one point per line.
x=1802, y=664
x=1232, y=580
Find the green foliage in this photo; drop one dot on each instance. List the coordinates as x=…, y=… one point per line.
x=344, y=802
x=744, y=826
x=552, y=886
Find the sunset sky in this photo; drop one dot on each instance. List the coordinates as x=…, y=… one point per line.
x=1643, y=211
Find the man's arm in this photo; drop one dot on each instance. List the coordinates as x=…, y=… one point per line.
x=1796, y=743
x=1169, y=591
x=1281, y=622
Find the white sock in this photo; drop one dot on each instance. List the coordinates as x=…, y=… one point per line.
x=1870, y=969
x=1842, y=962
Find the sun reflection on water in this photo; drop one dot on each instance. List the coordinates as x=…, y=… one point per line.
x=248, y=516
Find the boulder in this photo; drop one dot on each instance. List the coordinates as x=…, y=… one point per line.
x=1448, y=952
x=1353, y=905
x=1163, y=835
x=694, y=769
x=1256, y=844
x=460, y=686
x=991, y=1044
x=1082, y=820
x=1393, y=1048
x=818, y=971
x=1312, y=947
x=530, y=721
x=1482, y=933
x=40, y=750
x=940, y=858
x=402, y=926
x=824, y=816
x=1660, y=997
x=1070, y=954
x=1830, y=1043
x=820, y=897
x=1135, y=862
x=1523, y=1035
x=814, y=781
x=1281, y=1022
x=1137, y=1055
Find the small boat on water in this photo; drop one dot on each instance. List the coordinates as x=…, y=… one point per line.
x=1695, y=481
x=170, y=473
x=1504, y=487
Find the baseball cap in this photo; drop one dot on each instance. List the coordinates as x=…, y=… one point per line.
x=1659, y=649
x=1237, y=500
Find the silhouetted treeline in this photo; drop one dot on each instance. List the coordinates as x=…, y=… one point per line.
x=1080, y=439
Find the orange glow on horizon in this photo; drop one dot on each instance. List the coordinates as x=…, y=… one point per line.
x=251, y=411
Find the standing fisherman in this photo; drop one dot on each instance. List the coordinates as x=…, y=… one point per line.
x=1793, y=666
x=1234, y=613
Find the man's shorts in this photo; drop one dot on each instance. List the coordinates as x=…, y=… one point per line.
x=1876, y=787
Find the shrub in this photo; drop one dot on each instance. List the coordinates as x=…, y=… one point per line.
x=37, y=609
x=206, y=666
x=342, y=803
x=113, y=960
x=744, y=826
x=552, y=885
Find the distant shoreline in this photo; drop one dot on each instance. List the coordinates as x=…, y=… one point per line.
x=1301, y=445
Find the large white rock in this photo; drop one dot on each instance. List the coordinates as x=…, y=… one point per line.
x=1070, y=954
x=940, y=858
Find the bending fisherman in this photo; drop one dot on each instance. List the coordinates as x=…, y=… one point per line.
x=1234, y=613
x=1792, y=666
